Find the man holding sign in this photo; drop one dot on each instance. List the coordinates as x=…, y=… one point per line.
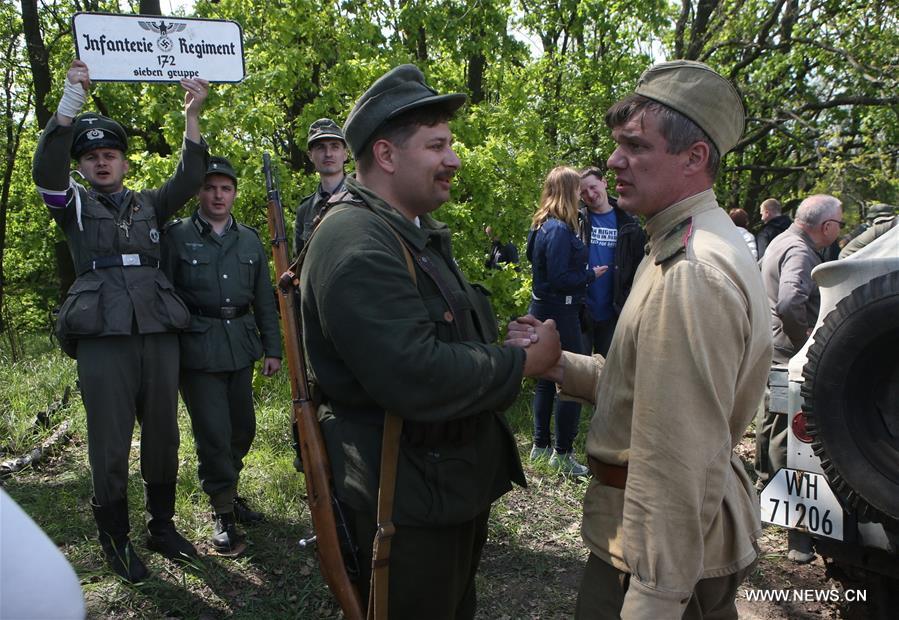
x=121, y=315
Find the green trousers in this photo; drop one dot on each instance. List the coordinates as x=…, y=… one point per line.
x=432, y=569
x=601, y=595
x=224, y=425
x=124, y=378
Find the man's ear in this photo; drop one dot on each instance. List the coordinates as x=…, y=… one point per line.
x=697, y=158
x=127, y=164
x=383, y=152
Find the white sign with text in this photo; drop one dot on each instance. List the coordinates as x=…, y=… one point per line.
x=150, y=48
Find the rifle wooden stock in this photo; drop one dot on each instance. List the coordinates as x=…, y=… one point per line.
x=316, y=467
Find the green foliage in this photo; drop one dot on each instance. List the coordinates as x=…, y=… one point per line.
x=819, y=80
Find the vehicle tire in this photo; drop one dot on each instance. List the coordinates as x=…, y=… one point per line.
x=850, y=396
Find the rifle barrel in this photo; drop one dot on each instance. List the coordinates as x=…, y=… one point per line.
x=316, y=467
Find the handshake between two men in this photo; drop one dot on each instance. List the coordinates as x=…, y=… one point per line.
x=541, y=341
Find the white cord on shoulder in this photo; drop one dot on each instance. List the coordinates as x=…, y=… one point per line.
x=75, y=187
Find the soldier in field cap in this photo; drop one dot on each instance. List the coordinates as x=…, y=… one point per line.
x=220, y=269
x=121, y=315
x=671, y=516
x=327, y=151
x=418, y=345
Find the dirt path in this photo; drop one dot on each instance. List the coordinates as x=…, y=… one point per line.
x=534, y=559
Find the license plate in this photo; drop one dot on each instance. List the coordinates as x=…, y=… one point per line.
x=802, y=500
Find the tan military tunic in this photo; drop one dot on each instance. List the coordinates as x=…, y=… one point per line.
x=685, y=373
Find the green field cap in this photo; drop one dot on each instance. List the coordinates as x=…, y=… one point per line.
x=220, y=165
x=324, y=128
x=399, y=90
x=695, y=90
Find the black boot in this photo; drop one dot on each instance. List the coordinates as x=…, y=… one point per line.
x=244, y=514
x=113, y=527
x=227, y=539
x=162, y=536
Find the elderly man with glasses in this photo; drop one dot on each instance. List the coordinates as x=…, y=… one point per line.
x=794, y=300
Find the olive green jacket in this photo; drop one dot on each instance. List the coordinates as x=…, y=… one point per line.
x=378, y=342
x=212, y=271
x=111, y=301
x=310, y=206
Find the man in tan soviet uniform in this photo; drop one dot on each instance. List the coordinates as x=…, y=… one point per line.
x=671, y=516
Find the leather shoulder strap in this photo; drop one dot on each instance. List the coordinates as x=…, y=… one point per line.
x=390, y=450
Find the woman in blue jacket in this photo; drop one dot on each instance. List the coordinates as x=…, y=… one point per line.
x=560, y=279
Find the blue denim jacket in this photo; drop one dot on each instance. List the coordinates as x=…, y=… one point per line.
x=558, y=264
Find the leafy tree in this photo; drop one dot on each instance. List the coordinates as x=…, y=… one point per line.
x=819, y=80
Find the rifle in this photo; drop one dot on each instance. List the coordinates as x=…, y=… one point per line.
x=323, y=505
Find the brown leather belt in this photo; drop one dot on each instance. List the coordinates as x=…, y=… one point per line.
x=607, y=474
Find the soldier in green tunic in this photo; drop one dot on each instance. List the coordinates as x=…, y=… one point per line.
x=327, y=152
x=220, y=269
x=380, y=341
x=121, y=315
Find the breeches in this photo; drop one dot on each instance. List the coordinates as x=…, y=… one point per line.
x=601, y=595
x=124, y=378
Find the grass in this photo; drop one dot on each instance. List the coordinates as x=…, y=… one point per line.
x=530, y=569
x=31, y=386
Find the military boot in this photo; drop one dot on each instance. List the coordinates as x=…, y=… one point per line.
x=244, y=514
x=113, y=527
x=227, y=540
x=162, y=536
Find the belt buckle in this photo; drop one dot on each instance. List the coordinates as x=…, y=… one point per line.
x=228, y=312
x=130, y=260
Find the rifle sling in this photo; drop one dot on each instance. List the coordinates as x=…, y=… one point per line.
x=390, y=451
x=393, y=425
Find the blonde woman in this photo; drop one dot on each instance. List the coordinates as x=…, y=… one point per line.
x=560, y=279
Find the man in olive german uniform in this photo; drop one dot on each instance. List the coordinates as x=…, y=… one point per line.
x=379, y=340
x=327, y=151
x=220, y=269
x=121, y=314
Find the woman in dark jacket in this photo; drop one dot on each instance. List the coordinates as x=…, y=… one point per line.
x=560, y=279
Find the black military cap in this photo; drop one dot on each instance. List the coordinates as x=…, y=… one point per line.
x=220, y=165
x=324, y=128
x=399, y=90
x=95, y=131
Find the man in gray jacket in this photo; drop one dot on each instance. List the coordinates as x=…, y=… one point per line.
x=794, y=301
x=121, y=316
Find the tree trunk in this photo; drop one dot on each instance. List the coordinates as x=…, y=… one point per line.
x=12, y=131
x=39, y=60
x=150, y=7
x=477, y=63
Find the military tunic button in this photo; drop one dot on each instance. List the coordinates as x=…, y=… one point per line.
x=227, y=300
x=194, y=261
x=251, y=261
x=228, y=321
x=225, y=275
